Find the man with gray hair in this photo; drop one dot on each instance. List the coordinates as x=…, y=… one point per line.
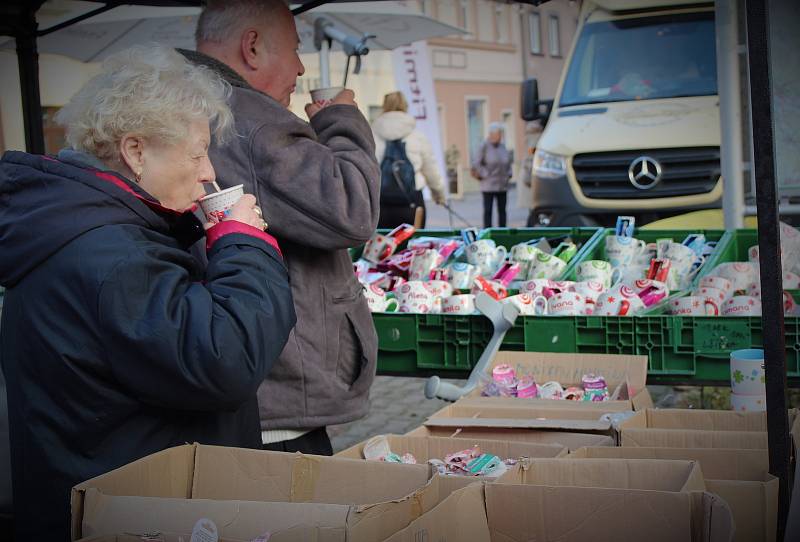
x=318, y=185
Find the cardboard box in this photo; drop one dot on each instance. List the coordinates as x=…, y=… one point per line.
x=629, y=373
x=687, y=428
x=571, y=441
x=147, y=537
x=249, y=492
x=484, y=412
x=425, y=448
x=571, y=507
x=740, y=477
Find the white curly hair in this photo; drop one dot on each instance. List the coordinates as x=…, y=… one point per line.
x=151, y=91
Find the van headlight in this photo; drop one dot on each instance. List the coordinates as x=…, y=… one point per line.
x=547, y=165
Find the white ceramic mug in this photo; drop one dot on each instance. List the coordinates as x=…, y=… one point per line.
x=378, y=301
x=720, y=283
x=741, y=274
x=462, y=275
x=439, y=288
x=719, y=296
x=620, y=300
x=546, y=266
x=694, y=305
x=590, y=290
x=527, y=304
x=742, y=305
x=414, y=296
x=597, y=270
x=523, y=252
x=747, y=372
x=624, y=250
x=378, y=247
x=748, y=403
x=422, y=263
x=462, y=304
x=484, y=254
x=566, y=304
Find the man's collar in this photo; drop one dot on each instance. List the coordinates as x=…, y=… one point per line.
x=225, y=71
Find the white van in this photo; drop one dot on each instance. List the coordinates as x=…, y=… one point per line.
x=634, y=127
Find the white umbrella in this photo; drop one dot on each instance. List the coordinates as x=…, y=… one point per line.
x=393, y=24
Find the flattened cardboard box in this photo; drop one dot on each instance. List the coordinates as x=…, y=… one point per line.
x=425, y=448
x=626, y=373
x=249, y=492
x=740, y=477
x=484, y=412
x=688, y=428
x=571, y=441
x=564, y=510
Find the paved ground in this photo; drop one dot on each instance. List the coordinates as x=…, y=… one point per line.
x=471, y=208
x=397, y=405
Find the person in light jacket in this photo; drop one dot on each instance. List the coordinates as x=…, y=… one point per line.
x=491, y=165
x=395, y=123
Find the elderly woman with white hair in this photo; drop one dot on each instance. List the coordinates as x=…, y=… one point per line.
x=115, y=342
x=491, y=165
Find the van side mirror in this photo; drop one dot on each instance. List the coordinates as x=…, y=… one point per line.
x=530, y=105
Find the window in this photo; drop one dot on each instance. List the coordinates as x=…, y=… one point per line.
x=476, y=124
x=553, y=37
x=426, y=7
x=466, y=17
x=508, y=129
x=535, y=31
x=374, y=112
x=501, y=24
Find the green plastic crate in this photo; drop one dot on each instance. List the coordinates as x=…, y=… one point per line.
x=732, y=248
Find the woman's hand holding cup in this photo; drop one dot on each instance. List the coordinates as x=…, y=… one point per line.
x=246, y=211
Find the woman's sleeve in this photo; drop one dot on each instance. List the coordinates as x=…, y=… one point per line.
x=207, y=345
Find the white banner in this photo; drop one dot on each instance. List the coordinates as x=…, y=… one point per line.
x=414, y=78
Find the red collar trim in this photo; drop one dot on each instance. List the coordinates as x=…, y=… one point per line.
x=150, y=203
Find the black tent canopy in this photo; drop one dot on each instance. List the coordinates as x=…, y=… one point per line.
x=18, y=20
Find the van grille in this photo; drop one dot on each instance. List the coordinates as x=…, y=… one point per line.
x=684, y=172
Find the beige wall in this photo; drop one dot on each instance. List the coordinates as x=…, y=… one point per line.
x=545, y=67
x=500, y=97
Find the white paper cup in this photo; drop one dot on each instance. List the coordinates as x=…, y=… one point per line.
x=747, y=372
x=324, y=96
x=748, y=403
x=216, y=206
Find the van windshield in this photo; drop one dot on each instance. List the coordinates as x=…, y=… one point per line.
x=643, y=59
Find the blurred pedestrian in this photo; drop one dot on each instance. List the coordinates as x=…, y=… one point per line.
x=115, y=342
x=491, y=165
x=407, y=164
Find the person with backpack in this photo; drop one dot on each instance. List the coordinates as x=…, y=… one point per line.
x=407, y=165
x=491, y=166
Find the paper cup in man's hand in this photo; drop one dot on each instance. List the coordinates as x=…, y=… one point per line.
x=324, y=96
x=217, y=206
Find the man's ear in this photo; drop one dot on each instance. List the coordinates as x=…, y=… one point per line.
x=131, y=152
x=249, y=49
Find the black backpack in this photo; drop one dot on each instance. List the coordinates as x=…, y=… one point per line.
x=397, y=175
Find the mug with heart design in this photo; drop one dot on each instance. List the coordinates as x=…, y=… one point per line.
x=742, y=305
x=720, y=283
x=487, y=256
x=720, y=296
x=620, y=300
x=546, y=266
x=378, y=300
x=528, y=305
x=462, y=275
x=694, y=305
x=422, y=263
x=462, y=304
x=566, y=304
x=439, y=288
x=741, y=274
x=414, y=296
x=379, y=247
x=590, y=290
x=597, y=270
x=624, y=250
x=536, y=287
x=650, y=291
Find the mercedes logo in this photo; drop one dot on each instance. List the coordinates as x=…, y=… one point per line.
x=644, y=172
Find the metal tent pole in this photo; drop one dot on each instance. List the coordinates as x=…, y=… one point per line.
x=730, y=113
x=769, y=251
x=28, y=62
